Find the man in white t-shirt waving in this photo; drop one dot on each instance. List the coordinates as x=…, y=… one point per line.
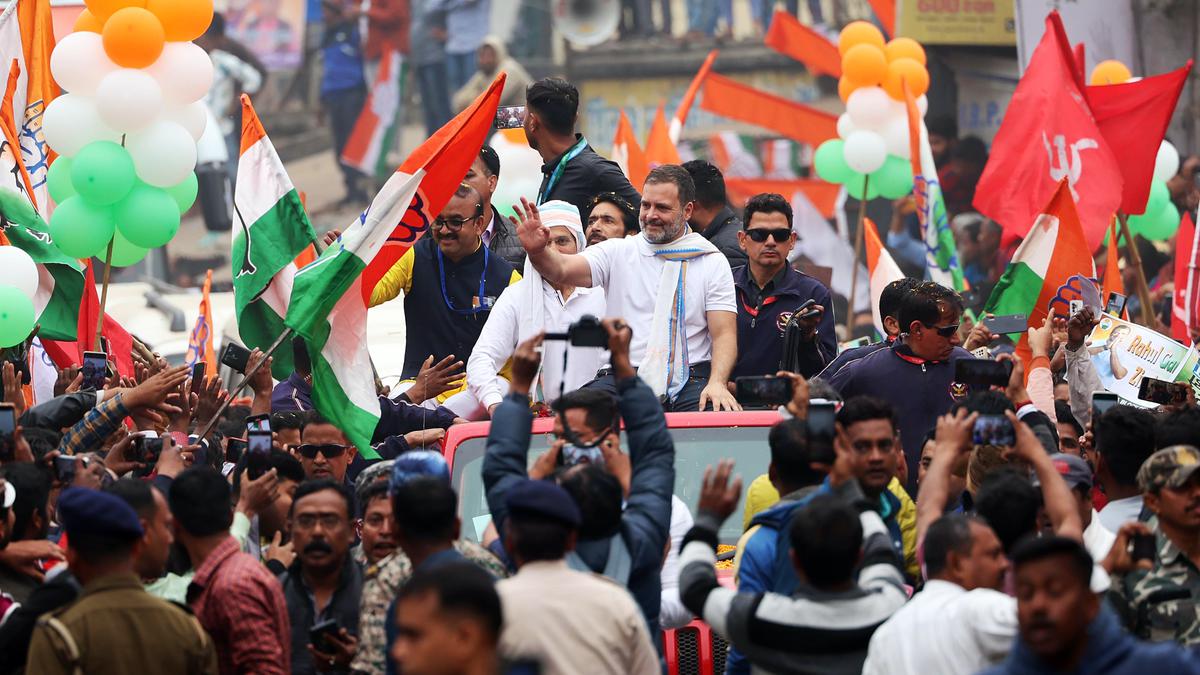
x=671, y=285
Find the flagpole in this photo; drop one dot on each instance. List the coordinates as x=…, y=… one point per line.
x=104, y=293
x=1143, y=289
x=858, y=246
x=287, y=332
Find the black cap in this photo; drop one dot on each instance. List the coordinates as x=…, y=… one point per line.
x=544, y=499
x=85, y=511
x=490, y=159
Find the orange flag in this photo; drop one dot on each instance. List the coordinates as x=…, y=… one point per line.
x=27, y=36
x=685, y=104
x=730, y=98
x=659, y=148
x=1113, y=283
x=791, y=38
x=822, y=195
x=885, y=10
x=628, y=154
x=200, y=343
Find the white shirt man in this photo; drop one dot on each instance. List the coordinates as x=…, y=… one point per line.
x=669, y=284
x=533, y=305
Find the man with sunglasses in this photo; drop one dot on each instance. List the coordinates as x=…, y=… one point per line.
x=771, y=293
x=324, y=450
x=916, y=374
x=450, y=282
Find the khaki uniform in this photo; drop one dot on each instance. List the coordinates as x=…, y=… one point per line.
x=117, y=627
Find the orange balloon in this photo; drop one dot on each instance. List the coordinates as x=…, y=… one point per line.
x=865, y=63
x=88, y=23
x=906, y=70
x=846, y=86
x=857, y=33
x=1110, y=72
x=102, y=9
x=182, y=20
x=905, y=48
x=133, y=37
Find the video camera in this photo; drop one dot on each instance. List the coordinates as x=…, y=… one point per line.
x=586, y=332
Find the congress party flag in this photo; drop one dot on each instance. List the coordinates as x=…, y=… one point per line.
x=379, y=122
x=882, y=269
x=27, y=37
x=200, y=342
x=941, y=254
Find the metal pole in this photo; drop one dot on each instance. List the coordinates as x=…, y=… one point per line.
x=104, y=293
x=858, y=246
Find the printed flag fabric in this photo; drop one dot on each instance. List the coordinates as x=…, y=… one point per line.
x=1040, y=273
x=881, y=268
x=1048, y=135
x=791, y=38
x=730, y=98
x=329, y=311
x=941, y=254
x=272, y=229
x=27, y=36
x=689, y=96
x=628, y=154
x=379, y=122
x=1133, y=117
x=445, y=157
x=200, y=342
x=659, y=147
x=1185, y=313
x=120, y=343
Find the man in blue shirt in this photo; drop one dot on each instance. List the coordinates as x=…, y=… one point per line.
x=343, y=87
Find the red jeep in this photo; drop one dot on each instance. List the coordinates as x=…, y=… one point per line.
x=701, y=439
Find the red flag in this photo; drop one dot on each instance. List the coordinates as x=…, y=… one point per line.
x=791, y=38
x=730, y=98
x=1049, y=134
x=120, y=344
x=1113, y=283
x=885, y=11
x=685, y=103
x=445, y=156
x=659, y=148
x=628, y=154
x=1133, y=118
x=1184, y=314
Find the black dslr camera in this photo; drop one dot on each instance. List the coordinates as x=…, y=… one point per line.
x=586, y=332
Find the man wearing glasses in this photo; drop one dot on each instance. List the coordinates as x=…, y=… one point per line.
x=785, y=317
x=450, y=283
x=916, y=374
x=324, y=450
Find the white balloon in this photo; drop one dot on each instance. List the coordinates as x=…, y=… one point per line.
x=128, y=100
x=71, y=121
x=865, y=151
x=845, y=125
x=79, y=62
x=896, y=138
x=18, y=269
x=184, y=71
x=868, y=107
x=163, y=154
x=922, y=104
x=193, y=117
x=1166, y=165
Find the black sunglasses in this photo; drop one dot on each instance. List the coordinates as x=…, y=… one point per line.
x=330, y=450
x=944, y=331
x=760, y=235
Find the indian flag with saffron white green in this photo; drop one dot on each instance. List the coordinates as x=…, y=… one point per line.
x=377, y=125
x=271, y=229
x=882, y=268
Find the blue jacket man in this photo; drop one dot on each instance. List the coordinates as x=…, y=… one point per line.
x=889, y=315
x=632, y=554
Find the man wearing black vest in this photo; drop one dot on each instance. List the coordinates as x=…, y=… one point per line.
x=450, y=283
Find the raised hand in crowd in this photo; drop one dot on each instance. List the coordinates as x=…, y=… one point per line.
x=68, y=380
x=953, y=441
x=12, y=388
x=147, y=402
x=534, y=236
x=1041, y=339
x=719, y=491
x=620, y=334
x=260, y=382
x=171, y=461
x=1056, y=495
x=979, y=336
x=1079, y=327
x=434, y=379
x=186, y=401
x=118, y=459
x=211, y=396
x=329, y=237
x=284, y=554
x=798, y=406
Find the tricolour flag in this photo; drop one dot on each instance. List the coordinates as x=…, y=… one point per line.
x=791, y=38
x=628, y=154
x=659, y=147
x=941, y=255
x=330, y=296
x=1054, y=250
x=445, y=157
x=200, y=342
x=1185, y=309
x=689, y=96
x=272, y=229
x=27, y=36
x=379, y=122
x=881, y=268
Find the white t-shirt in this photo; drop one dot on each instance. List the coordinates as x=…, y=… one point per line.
x=629, y=271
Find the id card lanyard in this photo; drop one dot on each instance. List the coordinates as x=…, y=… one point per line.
x=558, y=170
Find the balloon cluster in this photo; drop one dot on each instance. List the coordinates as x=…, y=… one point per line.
x=126, y=129
x=1160, y=220
x=18, y=284
x=873, y=132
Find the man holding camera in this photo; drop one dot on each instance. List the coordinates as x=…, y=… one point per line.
x=534, y=305
x=625, y=499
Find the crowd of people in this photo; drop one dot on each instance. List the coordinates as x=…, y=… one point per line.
x=931, y=526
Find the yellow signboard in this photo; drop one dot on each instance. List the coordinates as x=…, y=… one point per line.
x=957, y=22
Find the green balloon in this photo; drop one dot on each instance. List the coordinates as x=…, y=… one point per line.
x=854, y=187
x=1159, y=195
x=17, y=318
x=102, y=172
x=58, y=180
x=148, y=216
x=124, y=253
x=830, y=164
x=81, y=229
x=184, y=193
x=894, y=179
x=1163, y=225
